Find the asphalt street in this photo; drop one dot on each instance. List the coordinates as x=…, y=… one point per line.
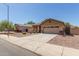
x=8, y=49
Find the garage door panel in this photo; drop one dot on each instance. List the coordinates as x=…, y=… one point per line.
x=51, y=30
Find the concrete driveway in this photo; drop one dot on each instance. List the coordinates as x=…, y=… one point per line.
x=40, y=37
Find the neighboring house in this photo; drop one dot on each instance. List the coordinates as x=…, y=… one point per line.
x=24, y=28
x=74, y=30
x=46, y=26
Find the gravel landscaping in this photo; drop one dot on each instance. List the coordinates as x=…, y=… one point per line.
x=22, y=35
x=68, y=41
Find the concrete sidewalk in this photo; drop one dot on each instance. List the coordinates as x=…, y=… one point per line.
x=41, y=48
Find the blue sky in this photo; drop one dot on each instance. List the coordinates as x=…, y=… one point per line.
x=22, y=13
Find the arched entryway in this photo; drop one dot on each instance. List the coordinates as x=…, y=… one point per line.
x=26, y=30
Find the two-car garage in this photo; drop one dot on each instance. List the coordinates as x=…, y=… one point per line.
x=51, y=30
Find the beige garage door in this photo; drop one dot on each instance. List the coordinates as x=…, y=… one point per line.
x=51, y=30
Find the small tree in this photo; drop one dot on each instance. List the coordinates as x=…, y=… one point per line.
x=67, y=24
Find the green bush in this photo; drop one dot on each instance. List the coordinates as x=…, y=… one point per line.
x=5, y=24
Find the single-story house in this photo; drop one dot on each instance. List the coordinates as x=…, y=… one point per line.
x=47, y=26
x=24, y=28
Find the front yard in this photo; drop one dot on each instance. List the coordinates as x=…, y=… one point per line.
x=47, y=44
x=67, y=41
